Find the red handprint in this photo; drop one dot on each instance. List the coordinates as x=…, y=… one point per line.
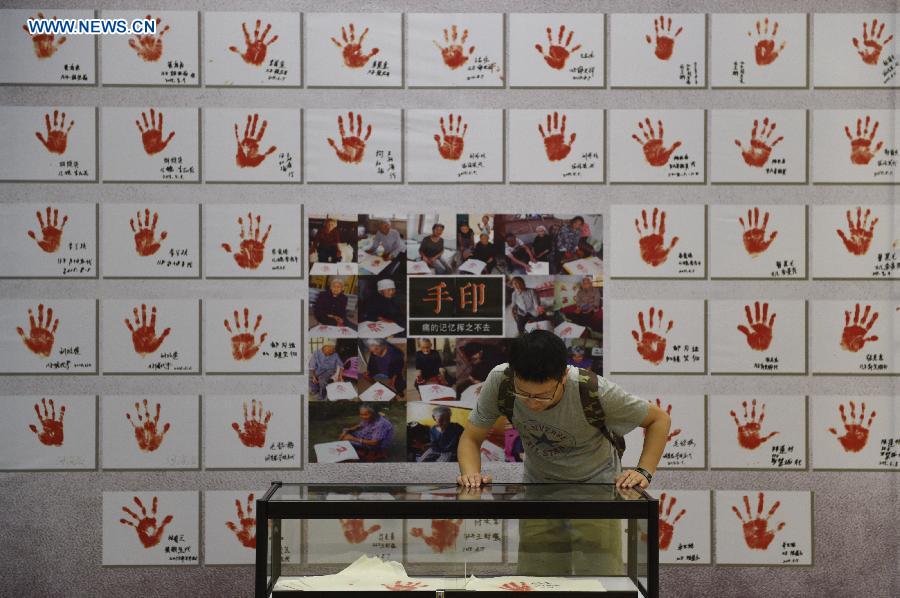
x=151, y=133
x=854, y=336
x=352, y=147
x=755, y=236
x=856, y=433
x=51, y=231
x=760, y=337
x=516, y=586
x=143, y=334
x=146, y=430
x=766, y=53
x=149, y=47
x=757, y=154
x=255, y=53
x=861, y=151
x=404, y=586
x=444, y=533
x=652, y=238
x=655, y=151
x=555, y=138
x=145, y=241
x=253, y=433
x=351, y=49
x=668, y=410
x=652, y=345
x=248, y=147
x=245, y=529
x=558, y=53
x=860, y=237
x=453, y=52
x=243, y=342
x=45, y=44
x=252, y=249
x=355, y=530
x=40, y=334
x=57, y=136
x=667, y=527
x=149, y=533
x=872, y=44
x=663, y=40
x=51, y=433
x=451, y=146
x=748, y=433
x=757, y=534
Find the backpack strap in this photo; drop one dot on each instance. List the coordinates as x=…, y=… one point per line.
x=589, y=391
x=506, y=398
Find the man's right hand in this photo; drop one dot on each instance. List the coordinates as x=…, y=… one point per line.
x=473, y=480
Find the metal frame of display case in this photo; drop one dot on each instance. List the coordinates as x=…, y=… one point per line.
x=267, y=509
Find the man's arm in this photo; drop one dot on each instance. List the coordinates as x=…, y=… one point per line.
x=469, y=456
x=656, y=423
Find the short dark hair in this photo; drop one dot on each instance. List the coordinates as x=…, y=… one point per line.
x=538, y=356
x=578, y=218
x=436, y=225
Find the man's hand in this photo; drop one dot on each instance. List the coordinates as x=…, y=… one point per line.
x=473, y=480
x=630, y=478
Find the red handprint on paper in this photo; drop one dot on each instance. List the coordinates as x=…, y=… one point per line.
x=667, y=526
x=352, y=147
x=255, y=53
x=652, y=241
x=252, y=249
x=355, y=530
x=146, y=431
x=57, y=133
x=145, y=240
x=351, y=49
x=248, y=148
x=856, y=432
x=453, y=51
x=860, y=237
x=253, y=433
x=51, y=433
x=760, y=148
x=517, y=586
x=872, y=44
x=854, y=336
x=451, y=145
x=149, y=47
x=759, y=335
x=555, y=138
x=558, y=53
x=143, y=333
x=151, y=133
x=668, y=410
x=765, y=50
x=755, y=236
x=663, y=40
x=757, y=534
x=444, y=533
x=651, y=345
x=45, y=44
x=149, y=533
x=655, y=151
x=748, y=433
x=861, y=150
x=245, y=528
x=243, y=341
x=404, y=586
x=40, y=334
x=51, y=231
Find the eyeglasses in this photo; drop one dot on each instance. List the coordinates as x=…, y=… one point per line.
x=540, y=398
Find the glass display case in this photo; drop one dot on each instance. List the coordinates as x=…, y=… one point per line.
x=444, y=540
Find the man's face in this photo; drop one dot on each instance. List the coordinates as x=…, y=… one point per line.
x=366, y=415
x=389, y=292
x=543, y=389
x=328, y=349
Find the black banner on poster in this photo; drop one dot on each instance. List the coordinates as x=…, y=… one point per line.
x=455, y=305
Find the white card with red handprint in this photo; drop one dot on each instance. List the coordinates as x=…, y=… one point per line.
x=757, y=336
x=345, y=540
x=253, y=240
x=260, y=145
x=556, y=146
x=853, y=336
x=169, y=56
x=335, y=452
x=229, y=529
x=150, y=336
x=48, y=432
x=455, y=146
x=372, y=264
x=685, y=527
x=150, y=431
x=48, y=143
x=354, y=49
x=338, y=269
x=340, y=391
x=656, y=146
x=657, y=336
x=454, y=540
x=48, y=240
x=588, y=266
x=150, y=240
x=150, y=144
x=855, y=432
x=771, y=527
x=758, y=50
x=757, y=432
x=146, y=527
x=856, y=241
x=437, y=392
x=253, y=336
x=855, y=146
x=256, y=432
x=45, y=58
x=758, y=146
x=686, y=444
x=251, y=49
x=658, y=241
x=379, y=329
x=353, y=146
x=757, y=241
x=48, y=336
x=556, y=49
x=455, y=49
x=657, y=50
x=377, y=393
x=861, y=50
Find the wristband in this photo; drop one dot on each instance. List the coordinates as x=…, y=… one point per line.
x=644, y=473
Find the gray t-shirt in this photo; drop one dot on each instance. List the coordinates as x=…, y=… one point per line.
x=560, y=444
